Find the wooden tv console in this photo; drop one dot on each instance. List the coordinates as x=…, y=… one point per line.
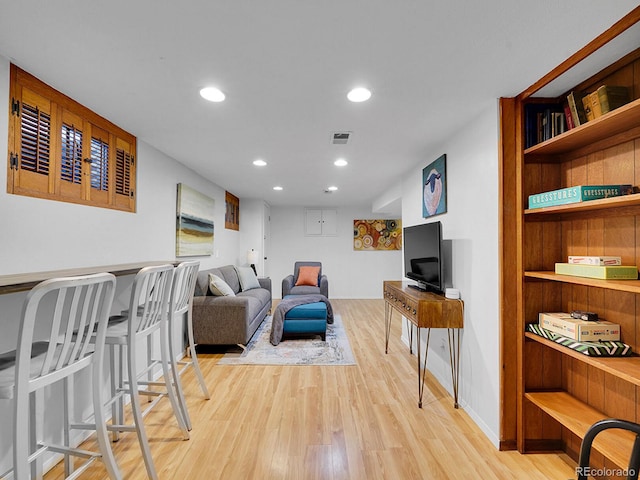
x=425, y=310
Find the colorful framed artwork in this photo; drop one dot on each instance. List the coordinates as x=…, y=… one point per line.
x=194, y=223
x=434, y=187
x=377, y=235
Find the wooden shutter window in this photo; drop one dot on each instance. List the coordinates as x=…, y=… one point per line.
x=61, y=150
x=71, y=163
x=35, y=141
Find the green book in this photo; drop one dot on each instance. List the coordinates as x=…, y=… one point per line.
x=577, y=194
x=605, y=272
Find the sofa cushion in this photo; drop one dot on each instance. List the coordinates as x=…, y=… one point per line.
x=219, y=287
x=247, y=278
x=308, y=276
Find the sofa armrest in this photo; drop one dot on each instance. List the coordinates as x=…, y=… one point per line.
x=324, y=286
x=265, y=282
x=287, y=285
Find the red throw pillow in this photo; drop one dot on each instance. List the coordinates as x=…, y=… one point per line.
x=308, y=276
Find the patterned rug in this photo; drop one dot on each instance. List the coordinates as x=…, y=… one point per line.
x=294, y=351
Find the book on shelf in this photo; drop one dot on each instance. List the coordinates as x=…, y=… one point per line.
x=578, y=115
x=611, y=97
x=576, y=329
x=603, y=348
x=579, y=193
x=568, y=117
x=543, y=121
x=588, y=109
x=603, y=272
x=595, y=260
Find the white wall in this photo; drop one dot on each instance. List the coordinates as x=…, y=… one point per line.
x=471, y=223
x=351, y=274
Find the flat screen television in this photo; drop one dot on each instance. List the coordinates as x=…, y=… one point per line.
x=422, y=246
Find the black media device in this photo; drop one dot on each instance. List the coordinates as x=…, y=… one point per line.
x=422, y=245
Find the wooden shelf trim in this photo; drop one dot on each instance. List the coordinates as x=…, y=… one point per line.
x=625, y=368
x=632, y=286
x=609, y=125
x=578, y=417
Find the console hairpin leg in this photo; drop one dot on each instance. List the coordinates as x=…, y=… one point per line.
x=387, y=325
x=410, y=331
x=454, y=360
x=424, y=366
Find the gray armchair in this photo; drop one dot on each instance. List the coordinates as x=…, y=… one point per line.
x=289, y=283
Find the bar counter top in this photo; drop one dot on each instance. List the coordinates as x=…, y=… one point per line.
x=20, y=282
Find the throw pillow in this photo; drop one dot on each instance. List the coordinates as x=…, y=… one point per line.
x=308, y=276
x=219, y=287
x=247, y=277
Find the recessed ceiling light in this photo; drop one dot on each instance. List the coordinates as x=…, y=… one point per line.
x=359, y=94
x=341, y=162
x=332, y=188
x=212, y=94
x=277, y=188
x=259, y=163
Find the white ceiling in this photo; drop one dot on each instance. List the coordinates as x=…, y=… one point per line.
x=286, y=67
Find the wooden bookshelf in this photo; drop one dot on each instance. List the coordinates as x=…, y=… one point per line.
x=560, y=393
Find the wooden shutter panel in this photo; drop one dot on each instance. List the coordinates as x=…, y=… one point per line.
x=99, y=162
x=70, y=156
x=35, y=144
x=124, y=175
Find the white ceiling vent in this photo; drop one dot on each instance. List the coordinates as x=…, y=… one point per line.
x=340, y=138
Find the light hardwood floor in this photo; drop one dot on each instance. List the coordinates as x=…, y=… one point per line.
x=333, y=422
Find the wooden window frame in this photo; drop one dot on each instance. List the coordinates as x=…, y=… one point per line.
x=118, y=168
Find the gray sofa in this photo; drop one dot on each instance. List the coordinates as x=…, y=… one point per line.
x=228, y=320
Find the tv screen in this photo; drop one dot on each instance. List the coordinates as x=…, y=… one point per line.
x=423, y=255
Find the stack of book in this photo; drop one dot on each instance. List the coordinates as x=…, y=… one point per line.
x=603, y=100
x=602, y=267
x=543, y=121
x=581, y=330
x=580, y=193
x=600, y=348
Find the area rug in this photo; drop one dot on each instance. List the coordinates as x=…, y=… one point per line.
x=294, y=351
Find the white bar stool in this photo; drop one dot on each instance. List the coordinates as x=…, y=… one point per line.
x=70, y=309
x=184, y=284
x=147, y=313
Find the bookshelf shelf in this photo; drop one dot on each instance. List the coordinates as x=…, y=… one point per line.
x=577, y=417
x=625, y=368
x=557, y=393
x=618, y=206
x=631, y=286
x=605, y=128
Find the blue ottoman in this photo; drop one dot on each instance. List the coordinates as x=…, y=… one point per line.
x=307, y=319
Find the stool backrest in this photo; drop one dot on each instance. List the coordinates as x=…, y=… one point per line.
x=59, y=318
x=150, y=298
x=184, y=284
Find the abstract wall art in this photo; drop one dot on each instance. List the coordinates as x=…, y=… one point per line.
x=194, y=222
x=377, y=235
x=434, y=187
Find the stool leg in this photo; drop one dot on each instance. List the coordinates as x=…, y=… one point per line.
x=175, y=378
x=194, y=358
x=67, y=385
x=115, y=366
x=101, y=423
x=164, y=357
x=136, y=410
